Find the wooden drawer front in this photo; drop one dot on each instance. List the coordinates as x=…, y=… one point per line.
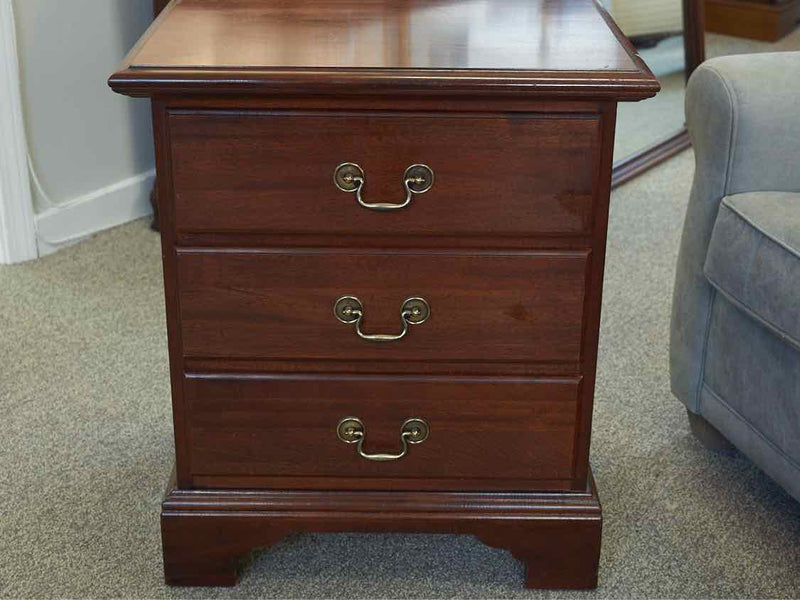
x=284, y=426
x=499, y=307
x=273, y=172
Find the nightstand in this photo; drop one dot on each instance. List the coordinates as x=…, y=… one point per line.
x=383, y=228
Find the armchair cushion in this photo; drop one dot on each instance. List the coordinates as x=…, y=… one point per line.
x=754, y=258
x=743, y=120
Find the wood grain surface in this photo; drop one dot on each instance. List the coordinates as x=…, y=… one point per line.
x=483, y=430
x=384, y=46
x=512, y=174
x=500, y=307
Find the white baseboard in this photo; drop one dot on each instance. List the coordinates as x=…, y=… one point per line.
x=107, y=207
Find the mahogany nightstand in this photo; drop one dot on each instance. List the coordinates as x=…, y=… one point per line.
x=383, y=228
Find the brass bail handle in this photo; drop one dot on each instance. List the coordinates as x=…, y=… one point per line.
x=351, y=430
x=349, y=177
x=349, y=309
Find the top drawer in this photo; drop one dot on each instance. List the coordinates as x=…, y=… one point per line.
x=273, y=172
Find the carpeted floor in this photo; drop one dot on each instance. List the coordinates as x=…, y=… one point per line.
x=85, y=448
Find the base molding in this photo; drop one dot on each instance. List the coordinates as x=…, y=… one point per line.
x=116, y=204
x=207, y=533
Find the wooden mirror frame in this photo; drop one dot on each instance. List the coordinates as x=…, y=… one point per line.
x=694, y=43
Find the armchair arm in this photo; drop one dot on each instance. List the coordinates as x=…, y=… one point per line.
x=745, y=127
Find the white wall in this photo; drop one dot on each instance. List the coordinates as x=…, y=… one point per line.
x=91, y=149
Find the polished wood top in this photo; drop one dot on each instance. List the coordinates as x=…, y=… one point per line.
x=356, y=46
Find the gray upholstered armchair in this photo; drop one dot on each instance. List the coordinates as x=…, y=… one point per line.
x=735, y=342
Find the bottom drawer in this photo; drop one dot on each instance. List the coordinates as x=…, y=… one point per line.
x=281, y=431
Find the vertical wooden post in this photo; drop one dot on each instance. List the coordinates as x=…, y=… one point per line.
x=694, y=34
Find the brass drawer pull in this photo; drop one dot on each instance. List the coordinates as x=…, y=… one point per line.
x=348, y=309
x=349, y=177
x=351, y=430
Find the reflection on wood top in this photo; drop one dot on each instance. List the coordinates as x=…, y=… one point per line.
x=402, y=45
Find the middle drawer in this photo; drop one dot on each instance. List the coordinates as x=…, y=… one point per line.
x=514, y=307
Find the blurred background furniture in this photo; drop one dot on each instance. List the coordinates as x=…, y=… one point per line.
x=643, y=19
x=767, y=20
x=735, y=338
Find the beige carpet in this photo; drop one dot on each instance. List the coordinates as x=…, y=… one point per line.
x=86, y=449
